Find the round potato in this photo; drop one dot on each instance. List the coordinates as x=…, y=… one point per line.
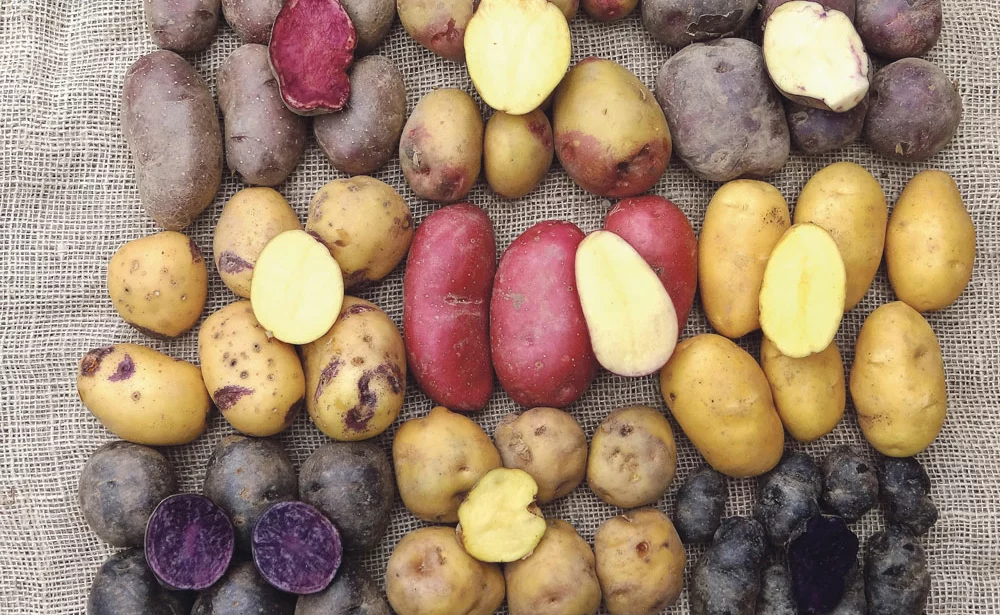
x=517, y=152
x=353, y=592
x=158, y=284
x=632, y=457
x=608, y=10
x=438, y=25
x=548, y=444
x=809, y=393
x=252, y=19
x=372, y=20
x=184, y=27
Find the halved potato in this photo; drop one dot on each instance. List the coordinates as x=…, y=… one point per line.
x=499, y=520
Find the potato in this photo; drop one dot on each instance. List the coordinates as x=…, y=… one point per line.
x=677, y=23
x=568, y=7
x=744, y=132
x=896, y=29
x=815, y=132
x=184, y=26
x=722, y=401
x=632, y=457
x=743, y=222
x=847, y=201
x=438, y=25
x=559, y=576
x=930, y=243
x=124, y=585
x=915, y=110
x=249, y=221
x=608, y=10
x=353, y=592
x=789, y=496
x=158, y=284
x=429, y=573
x=499, y=520
x=517, y=152
x=809, y=393
x=699, y=505
x=372, y=20
x=640, y=562
x=441, y=149
x=446, y=294
x=726, y=578
x=356, y=373
x=897, y=574
x=241, y=591
x=364, y=135
x=252, y=19
x=165, y=104
x=264, y=140
x=365, y=224
x=539, y=340
x=897, y=381
x=548, y=444
x=611, y=137
x=142, y=395
x=438, y=459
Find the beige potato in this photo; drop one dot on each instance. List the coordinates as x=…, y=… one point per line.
x=743, y=222
x=517, y=152
x=810, y=394
x=548, y=444
x=633, y=457
x=438, y=25
x=438, y=459
x=640, y=562
x=256, y=381
x=898, y=382
x=500, y=521
x=930, y=244
x=158, y=284
x=356, y=373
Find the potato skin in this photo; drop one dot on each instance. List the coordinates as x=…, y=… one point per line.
x=559, y=577
x=930, y=243
x=726, y=579
x=184, y=26
x=677, y=23
x=815, y=131
x=170, y=125
x=608, y=10
x=252, y=19
x=124, y=585
x=356, y=373
x=568, y=7
x=897, y=381
x=896, y=29
x=144, y=396
x=721, y=399
x=158, y=284
x=353, y=592
x=372, y=20
x=438, y=25
x=810, y=394
x=364, y=135
x=743, y=222
x=243, y=591
x=633, y=457
x=517, y=152
x=745, y=134
x=540, y=343
x=548, y=444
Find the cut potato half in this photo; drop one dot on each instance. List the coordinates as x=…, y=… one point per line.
x=499, y=520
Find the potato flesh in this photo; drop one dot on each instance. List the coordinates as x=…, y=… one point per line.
x=499, y=520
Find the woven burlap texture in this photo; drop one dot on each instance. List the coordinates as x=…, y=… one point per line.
x=68, y=200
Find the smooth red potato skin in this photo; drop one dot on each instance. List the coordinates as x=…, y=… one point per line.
x=609, y=10
x=541, y=345
x=661, y=233
x=446, y=305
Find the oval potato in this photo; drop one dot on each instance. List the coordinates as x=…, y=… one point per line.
x=810, y=394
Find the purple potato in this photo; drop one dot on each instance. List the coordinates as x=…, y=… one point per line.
x=353, y=592
x=243, y=592
x=677, y=23
x=905, y=494
x=775, y=596
x=296, y=548
x=726, y=579
x=124, y=585
x=184, y=26
x=189, y=542
x=850, y=485
x=789, y=494
x=252, y=19
x=896, y=29
x=897, y=579
x=817, y=131
x=822, y=557
x=701, y=501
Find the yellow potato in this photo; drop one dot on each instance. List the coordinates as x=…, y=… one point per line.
x=500, y=521
x=743, y=222
x=810, y=393
x=356, y=373
x=930, y=245
x=158, y=284
x=722, y=400
x=897, y=381
x=848, y=202
x=548, y=444
x=256, y=381
x=144, y=396
x=517, y=152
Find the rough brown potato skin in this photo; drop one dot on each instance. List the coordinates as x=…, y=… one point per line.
x=847, y=7
x=361, y=138
x=896, y=29
x=677, y=23
x=264, y=140
x=372, y=20
x=184, y=26
x=170, y=125
x=815, y=131
x=743, y=133
x=252, y=19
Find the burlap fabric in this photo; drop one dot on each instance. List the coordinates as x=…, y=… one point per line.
x=68, y=199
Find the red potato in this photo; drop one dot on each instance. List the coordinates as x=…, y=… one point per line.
x=661, y=233
x=541, y=345
x=446, y=306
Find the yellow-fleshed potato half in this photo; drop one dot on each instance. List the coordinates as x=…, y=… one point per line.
x=802, y=294
x=517, y=152
x=897, y=381
x=297, y=288
x=356, y=373
x=365, y=224
x=640, y=562
x=158, y=284
x=930, y=245
x=809, y=393
x=558, y=578
x=249, y=220
x=438, y=459
x=524, y=43
x=144, y=396
x=632, y=457
x=630, y=316
x=548, y=444
x=500, y=521
x=743, y=222
x=847, y=201
x=429, y=573
x=256, y=381
x=722, y=401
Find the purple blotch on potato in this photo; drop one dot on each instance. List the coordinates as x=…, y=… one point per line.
x=124, y=370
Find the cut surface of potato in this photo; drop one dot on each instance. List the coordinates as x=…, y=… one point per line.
x=630, y=316
x=517, y=52
x=499, y=521
x=802, y=296
x=297, y=288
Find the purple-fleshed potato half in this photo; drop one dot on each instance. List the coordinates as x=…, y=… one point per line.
x=189, y=542
x=296, y=548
